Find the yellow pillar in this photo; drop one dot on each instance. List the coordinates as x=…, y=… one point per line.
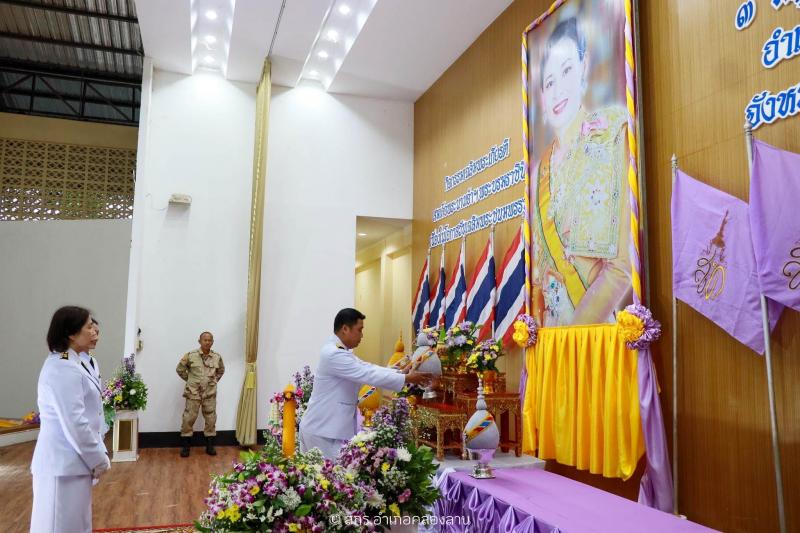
x=289, y=418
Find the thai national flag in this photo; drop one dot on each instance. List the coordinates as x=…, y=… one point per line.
x=456, y=297
x=422, y=303
x=481, y=291
x=437, y=298
x=510, y=290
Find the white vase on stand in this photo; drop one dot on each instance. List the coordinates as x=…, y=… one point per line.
x=481, y=437
x=126, y=436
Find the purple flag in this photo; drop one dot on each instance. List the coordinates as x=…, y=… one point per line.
x=713, y=264
x=774, y=221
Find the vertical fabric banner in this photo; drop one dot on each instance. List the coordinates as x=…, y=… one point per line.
x=714, y=267
x=774, y=221
x=422, y=302
x=481, y=291
x=247, y=409
x=456, y=295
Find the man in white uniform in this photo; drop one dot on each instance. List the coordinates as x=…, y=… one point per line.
x=330, y=418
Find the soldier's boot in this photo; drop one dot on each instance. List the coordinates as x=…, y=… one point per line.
x=210, y=446
x=185, y=442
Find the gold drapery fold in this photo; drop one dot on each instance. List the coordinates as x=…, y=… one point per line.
x=582, y=402
x=246, y=412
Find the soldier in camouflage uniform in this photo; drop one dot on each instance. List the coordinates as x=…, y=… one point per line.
x=201, y=370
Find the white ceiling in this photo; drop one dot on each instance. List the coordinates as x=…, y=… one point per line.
x=370, y=230
x=402, y=49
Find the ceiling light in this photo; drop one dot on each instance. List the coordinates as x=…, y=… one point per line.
x=211, y=14
x=208, y=60
x=333, y=35
x=344, y=9
x=313, y=73
x=362, y=234
x=210, y=39
x=322, y=54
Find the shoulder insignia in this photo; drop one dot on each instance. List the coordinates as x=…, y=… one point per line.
x=64, y=355
x=340, y=346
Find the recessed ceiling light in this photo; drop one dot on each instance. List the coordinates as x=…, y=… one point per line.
x=322, y=54
x=210, y=39
x=313, y=73
x=333, y=35
x=208, y=59
x=362, y=234
x=211, y=14
x=344, y=9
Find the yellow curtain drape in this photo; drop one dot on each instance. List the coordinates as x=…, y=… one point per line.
x=582, y=401
x=246, y=412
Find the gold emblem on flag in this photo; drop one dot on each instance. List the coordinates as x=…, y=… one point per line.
x=711, y=274
x=791, y=269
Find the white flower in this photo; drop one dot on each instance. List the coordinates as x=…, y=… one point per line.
x=364, y=436
x=132, y=392
x=403, y=454
x=376, y=500
x=290, y=498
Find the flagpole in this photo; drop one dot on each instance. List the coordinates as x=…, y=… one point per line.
x=773, y=419
x=491, y=235
x=674, y=375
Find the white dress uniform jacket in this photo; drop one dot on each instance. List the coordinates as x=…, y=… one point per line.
x=70, y=445
x=91, y=363
x=331, y=411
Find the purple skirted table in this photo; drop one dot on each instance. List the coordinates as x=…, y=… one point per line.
x=534, y=501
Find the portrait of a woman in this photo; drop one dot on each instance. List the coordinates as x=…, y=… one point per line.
x=579, y=194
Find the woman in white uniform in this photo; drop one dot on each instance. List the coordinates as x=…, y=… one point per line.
x=69, y=452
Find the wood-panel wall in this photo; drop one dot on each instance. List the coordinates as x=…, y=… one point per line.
x=697, y=73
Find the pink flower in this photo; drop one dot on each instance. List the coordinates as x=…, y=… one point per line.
x=404, y=496
x=590, y=126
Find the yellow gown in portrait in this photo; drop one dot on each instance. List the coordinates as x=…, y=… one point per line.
x=580, y=224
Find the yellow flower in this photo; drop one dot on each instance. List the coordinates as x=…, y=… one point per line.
x=469, y=341
x=233, y=513
x=118, y=398
x=630, y=326
x=324, y=483
x=521, y=338
x=385, y=467
x=294, y=527
x=220, y=515
x=394, y=509
x=349, y=477
x=255, y=490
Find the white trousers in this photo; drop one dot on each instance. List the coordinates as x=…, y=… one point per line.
x=329, y=447
x=62, y=504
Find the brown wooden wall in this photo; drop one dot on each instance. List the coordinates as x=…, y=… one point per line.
x=697, y=74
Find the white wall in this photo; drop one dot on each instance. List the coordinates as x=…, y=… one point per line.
x=193, y=273
x=331, y=158
x=46, y=265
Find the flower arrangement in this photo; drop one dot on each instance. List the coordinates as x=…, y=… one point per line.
x=31, y=418
x=459, y=341
x=303, y=385
x=269, y=492
x=484, y=356
x=525, y=329
x=396, y=473
x=637, y=327
x=124, y=391
x=378, y=473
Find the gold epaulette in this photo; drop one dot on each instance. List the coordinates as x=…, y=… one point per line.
x=64, y=355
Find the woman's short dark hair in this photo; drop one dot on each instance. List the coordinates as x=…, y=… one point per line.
x=347, y=317
x=65, y=322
